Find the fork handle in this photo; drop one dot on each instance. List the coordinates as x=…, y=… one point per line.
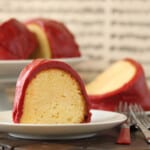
x=145, y=132
x=124, y=135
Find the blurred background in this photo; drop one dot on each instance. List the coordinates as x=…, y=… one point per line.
x=106, y=30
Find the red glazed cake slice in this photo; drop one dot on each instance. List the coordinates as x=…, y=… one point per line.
x=50, y=92
x=123, y=81
x=55, y=40
x=16, y=40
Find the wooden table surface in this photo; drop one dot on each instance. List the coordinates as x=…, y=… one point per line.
x=105, y=140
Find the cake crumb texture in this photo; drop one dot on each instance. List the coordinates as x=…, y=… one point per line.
x=117, y=75
x=53, y=96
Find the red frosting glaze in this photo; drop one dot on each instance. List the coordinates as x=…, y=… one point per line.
x=29, y=72
x=5, y=54
x=135, y=91
x=16, y=40
x=61, y=42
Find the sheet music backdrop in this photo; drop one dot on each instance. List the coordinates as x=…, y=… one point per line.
x=106, y=30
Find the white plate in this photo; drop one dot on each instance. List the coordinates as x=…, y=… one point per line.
x=10, y=69
x=148, y=113
x=101, y=120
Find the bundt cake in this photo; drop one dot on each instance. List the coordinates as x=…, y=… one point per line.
x=16, y=41
x=54, y=38
x=123, y=81
x=50, y=92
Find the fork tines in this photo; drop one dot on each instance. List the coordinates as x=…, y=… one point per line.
x=144, y=118
x=141, y=115
x=141, y=119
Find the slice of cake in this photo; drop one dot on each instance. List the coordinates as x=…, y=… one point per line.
x=49, y=92
x=16, y=41
x=123, y=81
x=54, y=38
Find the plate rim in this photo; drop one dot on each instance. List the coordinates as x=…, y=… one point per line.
x=58, y=131
x=66, y=125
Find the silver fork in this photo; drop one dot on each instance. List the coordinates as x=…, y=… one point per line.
x=124, y=135
x=139, y=117
x=143, y=117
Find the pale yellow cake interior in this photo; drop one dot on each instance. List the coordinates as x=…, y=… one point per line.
x=113, y=78
x=44, y=49
x=53, y=96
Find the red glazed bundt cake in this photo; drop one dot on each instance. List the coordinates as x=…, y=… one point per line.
x=54, y=38
x=123, y=81
x=16, y=41
x=49, y=92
